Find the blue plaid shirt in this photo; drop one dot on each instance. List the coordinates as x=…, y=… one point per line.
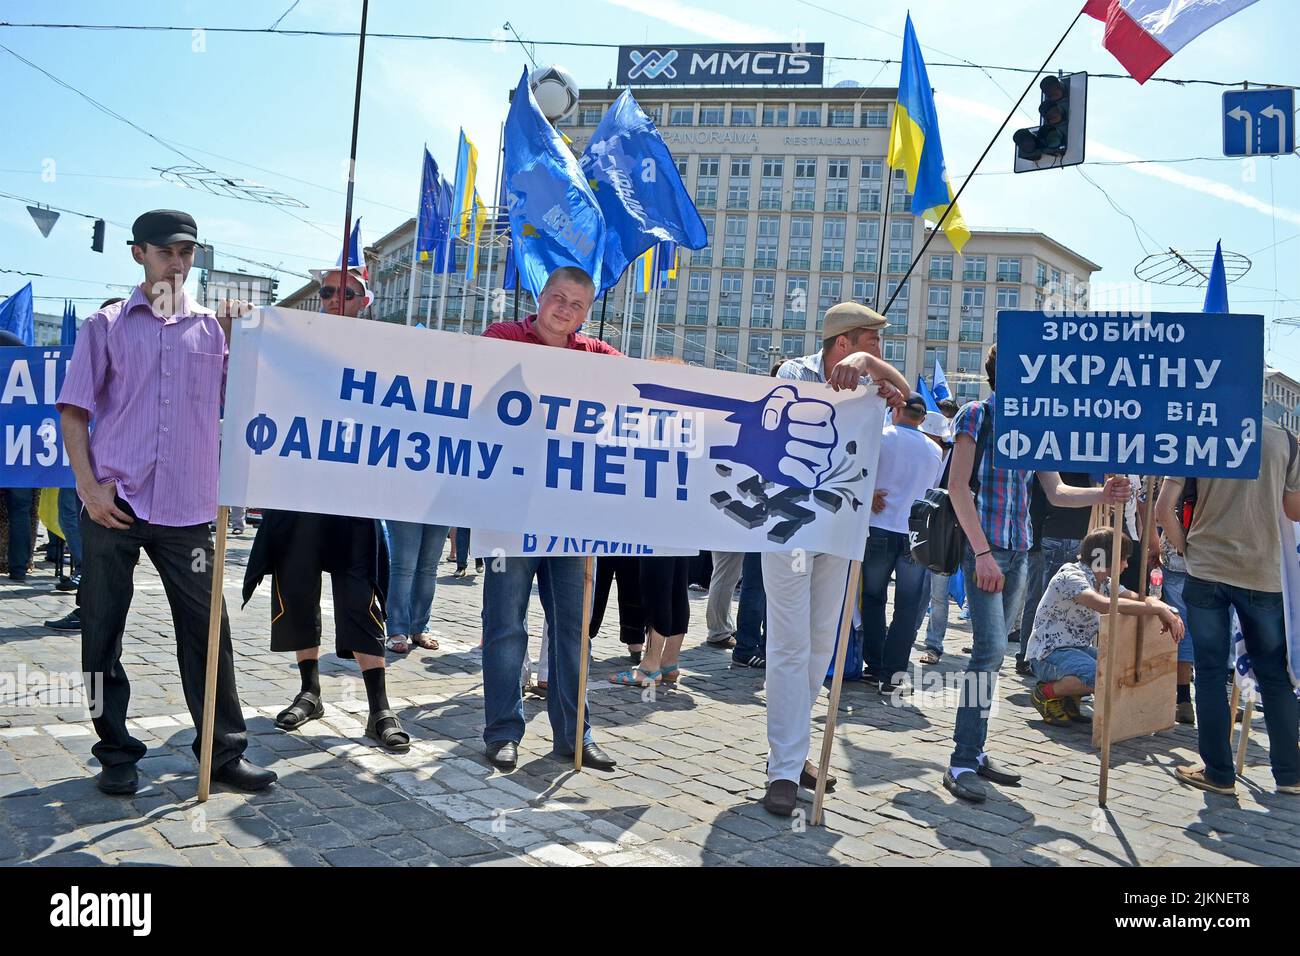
x=1003, y=500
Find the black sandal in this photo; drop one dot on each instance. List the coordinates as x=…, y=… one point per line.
x=392, y=737
x=306, y=706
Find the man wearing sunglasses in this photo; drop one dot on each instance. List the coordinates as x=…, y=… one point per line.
x=296, y=548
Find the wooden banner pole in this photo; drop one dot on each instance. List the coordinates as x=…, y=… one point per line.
x=214, y=655
x=1148, y=485
x=1244, y=738
x=584, y=657
x=837, y=684
x=1112, y=665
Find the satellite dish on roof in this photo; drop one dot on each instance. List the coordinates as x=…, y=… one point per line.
x=847, y=84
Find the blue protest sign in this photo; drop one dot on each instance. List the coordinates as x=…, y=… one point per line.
x=34, y=456
x=1160, y=393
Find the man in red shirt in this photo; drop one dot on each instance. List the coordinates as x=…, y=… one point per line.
x=561, y=309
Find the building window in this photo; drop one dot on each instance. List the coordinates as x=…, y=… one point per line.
x=590, y=116
x=800, y=252
x=873, y=169
x=740, y=167
x=866, y=247
x=894, y=352
x=941, y=267
x=729, y=300
x=805, y=167
x=900, y=246
x=727, y=349
x=706, y=182
x=969, y=360
x=738, y=194
x=932, y=354
x=968, y=392
x=760, y=356
x=936, y=312
x=901, y=200
x=697, y=299
x=796, y=303
x=776, y=116
x=869, y=196
x=762, y=301
x=972, y=314
x=655, y=113
x=773, y=167
x=864, y=291
x=975, y=268
x=1008, y=298
x=808, y=116
x=828, y=293
x=805, y=184
x=693, y=349
x=704, y=256
x=897, y=313
x=742, y=116
x=682, y=116
x=791, y=346
x=875, y=116
x=711, y=115
x=841, y=116
x=733, y=249
x=680, y=162
x=709, y=166
x=833, y=244
x=769, y=235
x=1008, y=269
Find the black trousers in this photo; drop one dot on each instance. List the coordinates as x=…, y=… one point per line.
x=631, y=618
x=307, y=546
x=183, y=557
x=665, y=596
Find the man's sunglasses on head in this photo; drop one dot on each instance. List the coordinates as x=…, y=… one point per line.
x=328, y=291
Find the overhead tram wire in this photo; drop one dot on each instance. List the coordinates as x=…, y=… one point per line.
x=574, y=44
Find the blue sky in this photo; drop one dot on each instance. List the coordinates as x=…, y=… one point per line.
x=278, y=109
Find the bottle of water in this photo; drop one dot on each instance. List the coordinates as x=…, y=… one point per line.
x=1157, y=581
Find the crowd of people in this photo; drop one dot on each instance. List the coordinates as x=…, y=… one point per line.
x=149, y=373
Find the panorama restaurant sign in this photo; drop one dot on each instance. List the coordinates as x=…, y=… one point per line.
x=713, y=65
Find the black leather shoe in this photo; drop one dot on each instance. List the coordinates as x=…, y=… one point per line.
x=66, y=583
x=597, y=759
x=242, y=775
x=966, y=786
x=72, y=622
x=991, y=771
x=119, y=779
x=780, y=797
x=503, y=754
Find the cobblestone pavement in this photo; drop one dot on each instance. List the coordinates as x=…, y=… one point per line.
x=686, y=790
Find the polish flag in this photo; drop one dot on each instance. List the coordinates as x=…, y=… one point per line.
x=1142, y=34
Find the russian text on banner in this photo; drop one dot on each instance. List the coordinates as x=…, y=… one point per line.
x=344, y=416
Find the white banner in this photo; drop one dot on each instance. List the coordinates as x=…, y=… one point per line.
x=508, y=544
x=372, y=419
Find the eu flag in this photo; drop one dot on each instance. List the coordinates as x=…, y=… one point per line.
x=914, y=145
x=641, y=194
x=554, y=218
x=432, y=219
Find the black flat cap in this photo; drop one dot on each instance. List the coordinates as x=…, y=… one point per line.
x=162, y=227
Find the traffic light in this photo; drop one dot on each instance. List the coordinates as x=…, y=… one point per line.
x=97, y=237
x=1059, y=138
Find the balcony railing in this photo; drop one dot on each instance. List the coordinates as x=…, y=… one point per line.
x=769, y=203
x=802, y=204
x=798, y=262
x=940, y=273
x=737, y=261
x=833, y=263
x=736, y=202
x=837, y=205
x=764, y=262
x=1008, y=276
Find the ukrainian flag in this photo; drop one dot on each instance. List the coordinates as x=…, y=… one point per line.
x=479, y=220
x=462, y=199
x=914, y=145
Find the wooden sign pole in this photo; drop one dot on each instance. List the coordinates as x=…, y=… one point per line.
x=214, y=656
x=837, y=684
x=1148, y=484
x=584, y=657
x=1112, y=665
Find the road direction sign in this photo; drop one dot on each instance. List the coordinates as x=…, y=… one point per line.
x=1258, y=122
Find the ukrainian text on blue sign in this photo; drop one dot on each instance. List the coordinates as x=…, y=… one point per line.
x=34, y=456
x=1167, y=393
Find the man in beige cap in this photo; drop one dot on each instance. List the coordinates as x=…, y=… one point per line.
x=805, y=590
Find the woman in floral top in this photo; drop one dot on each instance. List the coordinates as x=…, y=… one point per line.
x=1063, y=647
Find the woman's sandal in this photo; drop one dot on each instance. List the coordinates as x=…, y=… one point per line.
x=424, y=640
x=398, y=644
x=384, y=728
x=306, y=706
x=671, y=674
x=629, y=678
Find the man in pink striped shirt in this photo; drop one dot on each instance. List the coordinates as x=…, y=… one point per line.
x=151, y=371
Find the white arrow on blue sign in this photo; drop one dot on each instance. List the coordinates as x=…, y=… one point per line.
x=1258, y=122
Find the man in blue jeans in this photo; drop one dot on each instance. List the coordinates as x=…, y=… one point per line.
x=910, y=465
x=508, y=582
x=1233, y=549
x=751, y=616
x=995, y=519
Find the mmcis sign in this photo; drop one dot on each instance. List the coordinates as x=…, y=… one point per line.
x=712, y=65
